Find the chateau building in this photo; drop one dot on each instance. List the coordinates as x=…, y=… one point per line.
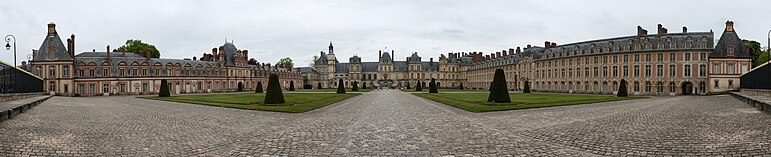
x=653, y=64
x=226, y=69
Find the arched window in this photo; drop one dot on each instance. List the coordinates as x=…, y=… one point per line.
x=671, y=87
x=604, y=86
x=615, y=86
x=660, y=87
x=596, y=87
x=636, y=86
x=647, y=87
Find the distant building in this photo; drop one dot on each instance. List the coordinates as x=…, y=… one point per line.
x=653, y=64
x=125, y=73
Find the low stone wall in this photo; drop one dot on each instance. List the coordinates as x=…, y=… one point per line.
x=763, y=103
x=17, y=96
x=12, y=108
x=758, y=92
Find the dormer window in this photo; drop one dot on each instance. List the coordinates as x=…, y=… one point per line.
x=730, y=50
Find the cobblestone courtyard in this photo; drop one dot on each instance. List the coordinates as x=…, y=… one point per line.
x=388, y=123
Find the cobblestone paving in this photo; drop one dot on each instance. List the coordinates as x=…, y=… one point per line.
x=388, y=123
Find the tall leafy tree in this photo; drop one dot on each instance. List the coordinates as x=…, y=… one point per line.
x=759, y=57
x=139, y=47
x=286, y=62
x=498, y=90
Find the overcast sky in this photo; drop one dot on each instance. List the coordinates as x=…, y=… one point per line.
x=301, y=28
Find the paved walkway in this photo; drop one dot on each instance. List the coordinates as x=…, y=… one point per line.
x=388, y=123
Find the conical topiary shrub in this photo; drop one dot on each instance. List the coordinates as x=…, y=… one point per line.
x=274, y=94
x=432, y=86
x=318, y=86
x=418, y=87
x=340, y=87
x=527, y=87
x=355, y=86
x=498, y=90
x=291, y=85
x=461, y=86
x=622, y=89
x=408, y=85
x=364, y=85
x=259, y=88
x=164, y=91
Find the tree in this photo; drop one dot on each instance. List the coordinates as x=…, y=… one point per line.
x=340, y=87
x=418, y=87
x=286, y=63
x=408, y=85
x=259, y=87
x=291, y=85
x=318, y=86
x=527, y=87
x=364, y=85
x=432, y=86
x=622, y=89
x=754, y=48
x=138, y=47
x=461, y=86
x=274, y=94
x=762, y=58
x=355, y=86
x=164, y=91
x=313, y=62
x=498, y=90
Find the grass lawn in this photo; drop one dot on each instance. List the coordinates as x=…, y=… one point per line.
x=477, y=102
x=295, y=102
x=327, y=90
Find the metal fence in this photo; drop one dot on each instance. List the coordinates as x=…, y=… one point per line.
x=757, y=78
x=16, y=80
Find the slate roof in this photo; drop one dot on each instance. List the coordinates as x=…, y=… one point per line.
x=230, y=51
x=54, y=42
x=605, y=46
x=730, y=38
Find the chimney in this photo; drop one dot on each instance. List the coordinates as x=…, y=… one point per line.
x=498, y=54
x=431, y=60
x=518, y=50
x=149, y=54
x=641, y=31
x=553, y=45
x=392, y=56
x=93, y=50
x=546, y=44
x=34, y=53
x=51, y=29
x=685, y=29
x=661, y=30
x=528, y=46
x=69, y=46
x=108, y=54
x=72, y=45
x=729, y=26
x=194, y=58
x=492, y=55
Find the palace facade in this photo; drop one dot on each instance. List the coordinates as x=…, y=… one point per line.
x=663, y=63
x=226, y=69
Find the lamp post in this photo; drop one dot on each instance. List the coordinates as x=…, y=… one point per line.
x=8, y=46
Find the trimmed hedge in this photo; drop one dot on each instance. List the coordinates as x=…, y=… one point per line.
x=259, y=87
x=622, y=89
x=274, y=94
x=340, y=87
x=461, y=86
x=498, y=90
x=164, y=91
x=418, y=87
x=527, y=87
x=291, y=85
x=364, y=86
x=432, y=86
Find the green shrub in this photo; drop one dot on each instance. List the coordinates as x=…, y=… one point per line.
x=291, y=85
x=432, y=86
x=418, y=87
x=318, y=86
x=408, y=85
x=498, y=90
x=340, y=87
x=164, y=91
x=461, y=86
x=622, y=89
x=274, y=94
x=259, y=87
x=355, y=86
x=364, y=86
x=527, y=87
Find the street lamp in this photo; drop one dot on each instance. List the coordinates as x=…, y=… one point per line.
x=8, y=46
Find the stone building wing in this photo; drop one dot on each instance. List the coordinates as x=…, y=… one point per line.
x=52, y=45
x=728, y=39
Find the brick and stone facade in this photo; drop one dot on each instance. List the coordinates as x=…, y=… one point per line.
x=125, y=73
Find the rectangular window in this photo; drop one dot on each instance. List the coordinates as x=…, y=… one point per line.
x=717, y=82
x=106, y=88
x=626, y=70
x=647, y=70
x=671, y=70
x=660, y=57
x=81, y=88
x=105, y=72
x=702, y=70
x=604, y=71
x=586, y=72
x=687, y=70
x=703, y=56
x=730, y=84
x=648, y=57
x=122, y=72
x=672, y=57
x=615, y=59
x=144, y=72
x=91, y=72
x=716, y=69
x=596, y=60
x=729, y=68
x=604, y=59
x=52, y=72
x=92, y=88
x=66, y=71
x=636, y=71
x=626, y=58
x=659, y=70
x=145, y=87
x=687, y=57
x=133, y=72
x=615, y=71
x=637, y=58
